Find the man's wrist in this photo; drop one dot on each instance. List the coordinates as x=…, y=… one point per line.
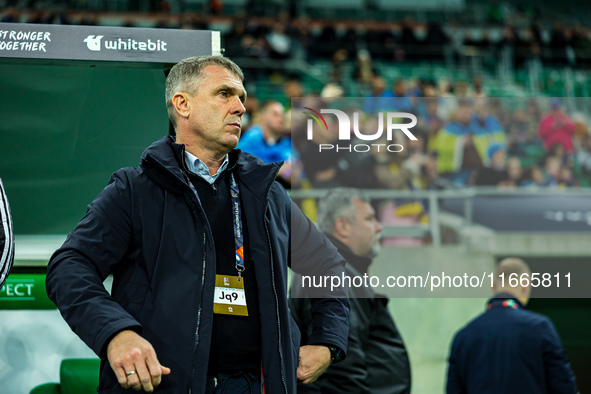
x=336, y=353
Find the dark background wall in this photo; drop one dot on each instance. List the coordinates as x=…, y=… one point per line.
x=64, y=130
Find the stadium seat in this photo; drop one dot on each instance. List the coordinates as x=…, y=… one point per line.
x=77, y=376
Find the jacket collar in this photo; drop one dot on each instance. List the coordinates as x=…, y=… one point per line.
x=159, y=161
x=361, y=264
x=503, y=299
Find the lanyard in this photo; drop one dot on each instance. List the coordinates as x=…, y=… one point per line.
x=237, y=224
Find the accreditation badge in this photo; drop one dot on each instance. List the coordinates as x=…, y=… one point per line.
x=229, y=297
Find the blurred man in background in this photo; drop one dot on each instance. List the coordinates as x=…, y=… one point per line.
x=508, y=349
x=268, y=140
x=377, y=361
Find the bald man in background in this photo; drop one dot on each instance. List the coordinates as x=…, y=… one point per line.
x=509, y=349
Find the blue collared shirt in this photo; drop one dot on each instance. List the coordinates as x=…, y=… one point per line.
x=199, y=168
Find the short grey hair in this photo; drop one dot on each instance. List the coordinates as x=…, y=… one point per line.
x=186, y=75
x=338, y=203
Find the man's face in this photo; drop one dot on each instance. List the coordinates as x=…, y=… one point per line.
x=216, y=110
x=399, y=88
x=464, y=115
x=273, y=118
x=365, y=232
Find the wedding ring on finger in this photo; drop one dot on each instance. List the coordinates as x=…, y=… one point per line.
x=129, y=373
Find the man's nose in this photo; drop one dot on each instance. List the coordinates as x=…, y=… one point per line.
x=238, y=107
x=379, y=227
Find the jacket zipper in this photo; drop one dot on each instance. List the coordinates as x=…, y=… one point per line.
x=194, y=209
x=198, y=314
x=196, y=344
x=276, y=302
x=274, y=287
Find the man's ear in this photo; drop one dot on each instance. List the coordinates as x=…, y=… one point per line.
x=342, y=228
x=182, y=104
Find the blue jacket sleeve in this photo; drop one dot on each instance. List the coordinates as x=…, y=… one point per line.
x=312, y=254
x=559, y=375
x=76, y=271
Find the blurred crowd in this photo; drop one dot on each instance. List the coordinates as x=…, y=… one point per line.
x=521, y=39
x=463, y=138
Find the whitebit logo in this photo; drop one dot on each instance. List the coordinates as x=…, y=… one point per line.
x=126, y=44
x=93, y=42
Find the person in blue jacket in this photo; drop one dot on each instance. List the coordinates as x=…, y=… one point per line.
x=509, y=349
x=268, y=141
x=198, y=239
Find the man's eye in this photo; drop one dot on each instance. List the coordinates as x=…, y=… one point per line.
x=224, y=93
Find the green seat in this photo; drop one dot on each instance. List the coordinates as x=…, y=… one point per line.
x=77, y=376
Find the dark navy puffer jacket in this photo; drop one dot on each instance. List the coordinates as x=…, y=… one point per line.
x=149, y=230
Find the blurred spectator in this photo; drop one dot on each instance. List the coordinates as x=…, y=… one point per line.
x=374, y=102
x=320, y=168
x=364, y=71
x=279, y=42
x=338, y=66
x=557, y=128
x=583, y=156
x=552, y=169
x=534, y=176
x=400, y=100
x=565, y=177
x=11, y=15
x=478, y=87
x=332, y=90
x=461, y=89
x=293, y=88
x=250, y=117
x=514, y=172
x=268, y=140
x=488, y=124
x=462, y=145
x=495, y=174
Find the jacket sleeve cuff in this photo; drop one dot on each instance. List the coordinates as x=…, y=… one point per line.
x=329, y=340
x=104, y=337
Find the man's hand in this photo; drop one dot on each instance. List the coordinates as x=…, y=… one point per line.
x=129, y=352
x=312, y=363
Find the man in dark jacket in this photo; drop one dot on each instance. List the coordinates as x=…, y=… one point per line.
x=6, y=237
x=377, y=361
x=198, y=240
x=508, y=349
